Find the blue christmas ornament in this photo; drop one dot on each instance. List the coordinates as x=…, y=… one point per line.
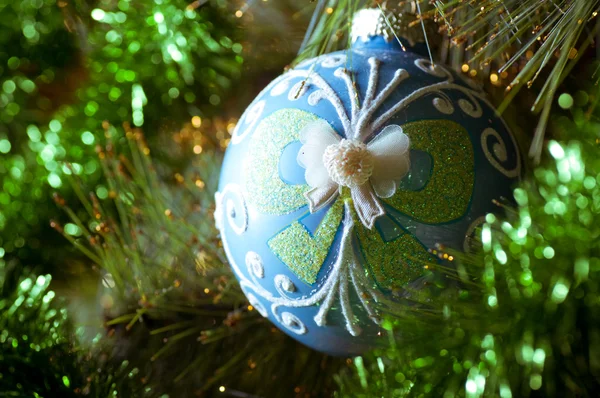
x=343, y=173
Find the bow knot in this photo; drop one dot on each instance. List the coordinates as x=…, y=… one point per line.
x=348, y=163
x=371, y=171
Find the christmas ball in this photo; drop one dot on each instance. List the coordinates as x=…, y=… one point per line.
x=343, y=174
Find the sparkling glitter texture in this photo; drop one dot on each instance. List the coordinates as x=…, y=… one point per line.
x=396, y=263
x=304, y=254
x=446, y=195
x=264, y=186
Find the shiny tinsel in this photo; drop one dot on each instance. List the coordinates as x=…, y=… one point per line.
x=68, y=66
x=39, y=353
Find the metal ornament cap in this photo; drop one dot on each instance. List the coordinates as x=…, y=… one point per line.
x=393, y=21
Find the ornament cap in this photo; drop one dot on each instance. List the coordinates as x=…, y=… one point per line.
x=394, y=21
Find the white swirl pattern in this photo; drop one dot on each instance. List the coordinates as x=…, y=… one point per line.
x=468, y=108
x=284, y=285
x=333, y=60
x=435, y=70
x=443, y=105
x=280, y=88
x=298, y=90
x=293, y=323
x=255, y=264
x=256, y=304
x=250, y=118
x=232, y=212
x=499, y=153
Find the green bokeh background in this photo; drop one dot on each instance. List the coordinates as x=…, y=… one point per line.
x=68, y=67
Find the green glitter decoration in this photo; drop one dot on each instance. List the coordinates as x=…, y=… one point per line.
x=265, y=189
x=392, y=264
x=303, y=253
x=396, y=263
x=446, y=195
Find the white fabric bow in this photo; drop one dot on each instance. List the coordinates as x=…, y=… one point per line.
x=371, y=171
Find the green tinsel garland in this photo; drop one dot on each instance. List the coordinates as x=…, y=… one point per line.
x=67, y=67
x=39, y=353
